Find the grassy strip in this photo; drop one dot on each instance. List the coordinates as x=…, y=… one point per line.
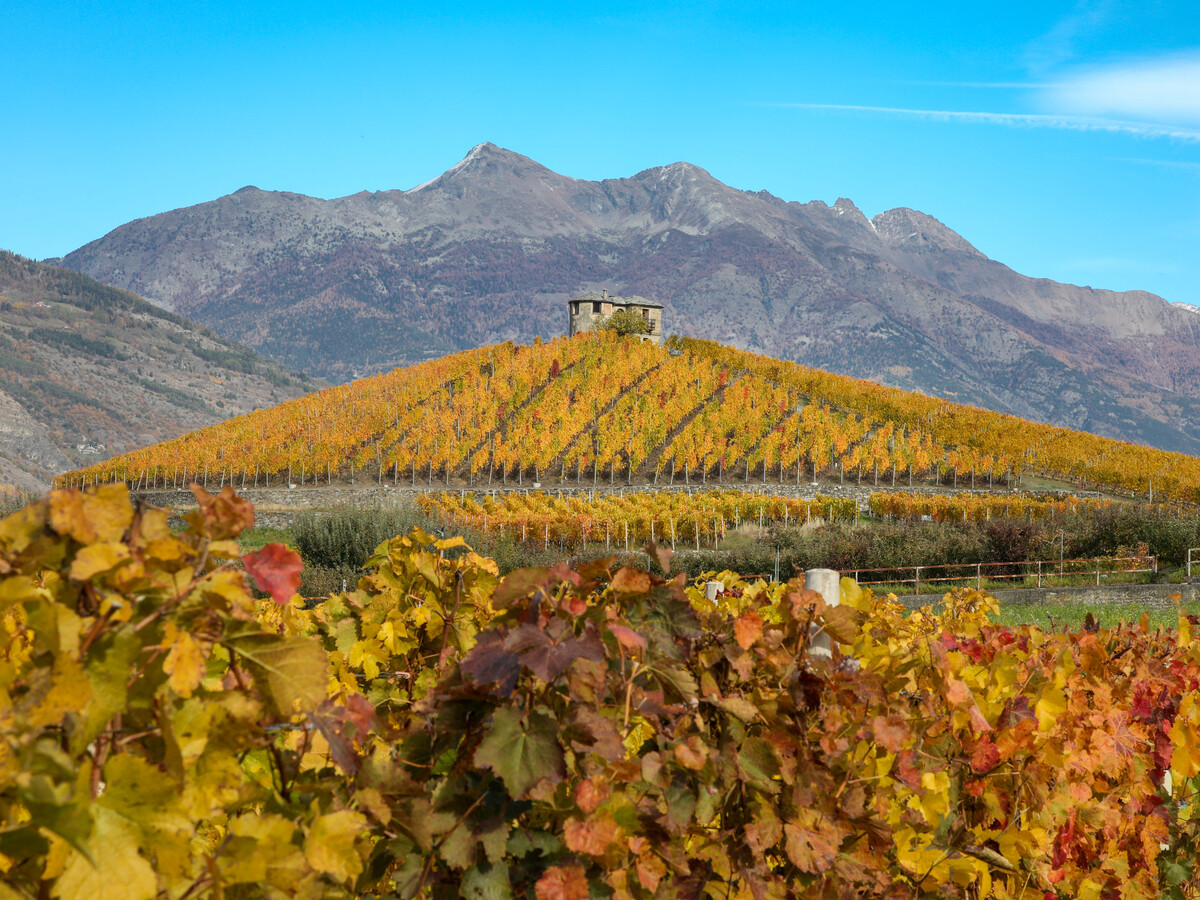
x=1060, y=616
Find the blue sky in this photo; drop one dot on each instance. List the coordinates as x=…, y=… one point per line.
x=1060, y=138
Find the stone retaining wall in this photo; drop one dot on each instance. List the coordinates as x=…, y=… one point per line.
x=1151, y=596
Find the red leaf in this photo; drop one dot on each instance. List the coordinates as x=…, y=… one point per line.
x=628, y=638
x=275, y=569
x=548, y=652
x=985, y=757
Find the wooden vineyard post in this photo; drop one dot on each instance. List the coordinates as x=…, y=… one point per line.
x=672, y=535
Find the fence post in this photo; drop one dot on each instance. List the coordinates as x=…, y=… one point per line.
x=1039, y=573
x=1097, y=570
x=979, y=576
x=827, y=583
x=917, y=580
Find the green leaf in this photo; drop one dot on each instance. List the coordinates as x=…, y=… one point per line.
x=292, y=671
x=486, y=881
x=149, y=800
x=108, y=667
x=523, y=842
x=521, y=750
x=757, y=765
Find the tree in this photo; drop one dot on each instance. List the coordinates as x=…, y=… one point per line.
x=626, y=321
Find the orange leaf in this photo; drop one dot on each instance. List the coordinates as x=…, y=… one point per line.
x=650, y=871
x=227, y=515
x=891, y=732
x=748, y=628
x=562, y=883
x=627, y=637
x=590, y=793
x=692, y=754
x=630, y=581
x=590, y=836
x=957, y=693
x=811, y=849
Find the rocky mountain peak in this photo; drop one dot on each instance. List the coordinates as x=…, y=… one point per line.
x=909, y=229
x=487, y=162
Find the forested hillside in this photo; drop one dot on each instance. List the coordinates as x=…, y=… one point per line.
x=87, y=370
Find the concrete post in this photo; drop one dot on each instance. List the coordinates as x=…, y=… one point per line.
x=827, y=583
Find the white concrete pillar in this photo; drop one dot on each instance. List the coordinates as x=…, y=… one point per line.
x=827, y=583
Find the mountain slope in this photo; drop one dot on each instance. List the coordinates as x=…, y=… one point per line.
x=493, y=248
x=87, y=371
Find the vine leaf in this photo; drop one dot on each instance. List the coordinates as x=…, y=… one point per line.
x=119, y=871
x=276, y=570
x=293, y=672
x=98, y=516
x=562, y=883
x=522, y=752
x=330, y=844
x=490, y=662
x=548, y=652
x=810, y=847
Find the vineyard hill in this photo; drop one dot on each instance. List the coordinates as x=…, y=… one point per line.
x=600, y=409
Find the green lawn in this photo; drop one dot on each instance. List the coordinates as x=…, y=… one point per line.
x=256, y=538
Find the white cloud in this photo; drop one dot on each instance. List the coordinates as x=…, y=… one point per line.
x=1059, y=45
x=1030, y=120
x=1165, y=89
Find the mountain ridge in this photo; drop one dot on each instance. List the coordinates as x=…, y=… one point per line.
x=492, y=248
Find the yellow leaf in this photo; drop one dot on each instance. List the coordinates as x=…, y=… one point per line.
x=63, y=690
x=97, y=559
x=261, y=850
x=1051, y=705
x=330, y=844
x=119, y=872
x=99, y=515
x=184, y=662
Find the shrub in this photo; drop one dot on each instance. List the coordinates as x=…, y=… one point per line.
x=344, y=538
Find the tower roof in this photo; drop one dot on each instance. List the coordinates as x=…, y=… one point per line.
x=605, y=297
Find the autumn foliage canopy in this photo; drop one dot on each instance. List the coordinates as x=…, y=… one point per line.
x=559, y=734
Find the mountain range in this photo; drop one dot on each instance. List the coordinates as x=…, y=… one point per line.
x=88, y=371
x=494, y=247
